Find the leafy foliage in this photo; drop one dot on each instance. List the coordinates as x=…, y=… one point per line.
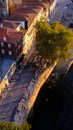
x=13, y=126
x=53, y=41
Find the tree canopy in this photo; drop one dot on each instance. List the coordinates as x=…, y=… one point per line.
x=13, y=126
x=53, y=41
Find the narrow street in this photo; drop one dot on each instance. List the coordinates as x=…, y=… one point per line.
x=15, y=91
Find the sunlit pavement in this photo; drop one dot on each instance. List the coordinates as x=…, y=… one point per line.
x=13, y=94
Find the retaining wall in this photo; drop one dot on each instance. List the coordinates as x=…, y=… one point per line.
x=41, y=80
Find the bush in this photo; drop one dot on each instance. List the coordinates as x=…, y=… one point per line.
x=14, y=126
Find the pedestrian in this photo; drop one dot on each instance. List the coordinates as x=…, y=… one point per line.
x=3, y=114
x=24, y=97
x=0, y=97
x=25, y=87
x=28, y=94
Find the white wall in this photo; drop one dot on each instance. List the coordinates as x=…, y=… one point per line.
x=52, y=7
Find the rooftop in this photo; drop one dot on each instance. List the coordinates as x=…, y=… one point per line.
x=23, y=13
x=10, y=35
x=9, y=25
x=34, y=2
x=28, y=9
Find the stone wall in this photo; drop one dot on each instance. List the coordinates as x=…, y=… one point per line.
x=41, y=80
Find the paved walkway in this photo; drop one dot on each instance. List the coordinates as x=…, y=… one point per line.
x=21, y=112
x=12, y=95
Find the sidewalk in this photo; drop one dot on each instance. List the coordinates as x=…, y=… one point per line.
x=58, y=10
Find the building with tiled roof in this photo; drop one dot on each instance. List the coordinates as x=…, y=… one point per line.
x=24, y=14
x=18, y=32
x=11, y=43
x=11, y=49
x=10, y=25
x=27, y=14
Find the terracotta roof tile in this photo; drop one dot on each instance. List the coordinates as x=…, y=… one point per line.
x=24, y=12
x=11, y=35
x=9, y=24
x=23, y=31
x=28, y=9
x=15, y=17
x=34, y=2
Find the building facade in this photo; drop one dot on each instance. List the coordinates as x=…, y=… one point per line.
x=18, y=33
x=11, y=44
x=7, y=6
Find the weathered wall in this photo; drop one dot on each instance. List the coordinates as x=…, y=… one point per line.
x=43, y=77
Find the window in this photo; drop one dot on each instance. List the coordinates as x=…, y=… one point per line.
x=10, y=53
x=2, y=51
x=2, y=44
x=9, y=45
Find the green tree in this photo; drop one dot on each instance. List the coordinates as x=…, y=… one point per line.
x=14, y=126
x=53, y=41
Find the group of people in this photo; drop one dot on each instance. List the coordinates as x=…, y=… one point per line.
x=21, y=112
x=21, y=109
x=28, y=89
x=39, y=62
